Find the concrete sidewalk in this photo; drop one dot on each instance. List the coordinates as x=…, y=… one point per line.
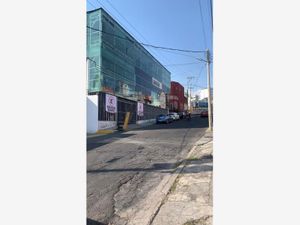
x=189, y=201
x=130, y=127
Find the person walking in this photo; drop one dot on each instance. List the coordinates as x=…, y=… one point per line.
x=189, y=116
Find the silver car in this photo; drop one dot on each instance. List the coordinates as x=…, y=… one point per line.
x=174, y=115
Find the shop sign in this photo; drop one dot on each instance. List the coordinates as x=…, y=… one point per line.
x=156, y=83
x=111, y=103
x=140, y=109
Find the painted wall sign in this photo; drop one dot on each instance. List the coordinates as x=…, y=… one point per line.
x=156, y=83
x=111, y=103
x=140, y=109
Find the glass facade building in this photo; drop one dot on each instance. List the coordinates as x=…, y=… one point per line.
x=119, y=65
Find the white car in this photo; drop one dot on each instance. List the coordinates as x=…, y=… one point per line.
x=175, y=115
x=172, y=117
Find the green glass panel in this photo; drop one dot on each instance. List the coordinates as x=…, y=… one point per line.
x=121, y=64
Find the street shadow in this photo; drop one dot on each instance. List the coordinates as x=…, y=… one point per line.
x=94, y=222
x=197, y=169
x=96, y=142
x=195, y=122
x=192, y=166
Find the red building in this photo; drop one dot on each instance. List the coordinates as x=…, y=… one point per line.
x=176, y=97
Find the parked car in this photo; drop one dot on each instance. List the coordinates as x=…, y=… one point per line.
x=163, y=119
x=182, y=115
x=172, y=117
x=176, y=116
x=204, y=113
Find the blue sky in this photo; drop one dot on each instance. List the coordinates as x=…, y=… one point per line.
x=168, y=23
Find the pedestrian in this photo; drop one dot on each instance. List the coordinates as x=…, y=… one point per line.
x=189, y=116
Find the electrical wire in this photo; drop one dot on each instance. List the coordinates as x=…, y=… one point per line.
x=204, y=38
x=101, y=69
x=153, y=46
x=132, y=64
x=152, y=52
x=135, y=42
x=144, y=44
x=148, y=45
x=91, y=4
x=125, y=19
x=211, y=14
x=177, y=53
x=173, y=49
x=182, y=64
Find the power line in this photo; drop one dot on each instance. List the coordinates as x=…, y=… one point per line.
x=102, y=31
x=152, y=52
x=174, y=49
x=91, y=4
x=199, y=59
x=147, y=45
x=158, y=47
x=125, y=19
x=211, y=14
x=204, y=38
x=182, y=64
x=114, y=78
x=132, y=64
x=197, y=77
x=201, y=69
x=100, y=3
x=144, y=44
x=101, y=69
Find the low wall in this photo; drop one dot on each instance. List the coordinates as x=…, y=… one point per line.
x=107, y=125
x=92, y=113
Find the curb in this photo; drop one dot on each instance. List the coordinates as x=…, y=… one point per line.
x=139, y=218
x=100, y=133
x=105, y=132
x=177, y=172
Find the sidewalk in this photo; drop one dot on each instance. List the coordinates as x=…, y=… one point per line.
x=189, y=201
x=130, y=127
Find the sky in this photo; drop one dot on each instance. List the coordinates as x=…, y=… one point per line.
x=168, y=23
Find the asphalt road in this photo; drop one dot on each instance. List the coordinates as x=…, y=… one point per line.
x=123, y=167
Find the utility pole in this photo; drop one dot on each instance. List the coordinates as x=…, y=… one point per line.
x=190, y=99
x=208, y=89
x=189, y=95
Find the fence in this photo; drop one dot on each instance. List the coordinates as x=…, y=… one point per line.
x=150, y=112
x=123, y=106
x=102, y=114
